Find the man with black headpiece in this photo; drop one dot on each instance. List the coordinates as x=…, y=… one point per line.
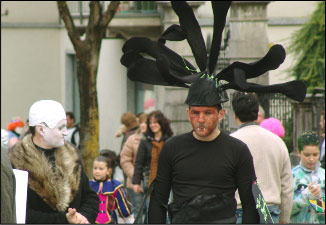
x=204, y=167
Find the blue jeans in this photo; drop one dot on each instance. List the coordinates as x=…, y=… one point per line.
x=273, y=209
x=136, y=200
x=145, y=188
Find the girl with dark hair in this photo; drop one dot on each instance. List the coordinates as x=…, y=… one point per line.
x=111, y=193
x=117, y=172
x=150, y=146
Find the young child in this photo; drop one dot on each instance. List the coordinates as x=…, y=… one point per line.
x=309, y=182
x=111, y=193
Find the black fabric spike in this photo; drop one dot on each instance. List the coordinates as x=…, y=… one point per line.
x=143, y=70
x=135, y=46
x=142, y=45
x=173, y=33
x=220, y=11
x=271, y=61
x=295, y=90
x=190, y=26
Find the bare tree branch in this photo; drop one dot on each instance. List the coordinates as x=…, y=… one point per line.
x=109, y=13
x=95, y=13
x=69, y=22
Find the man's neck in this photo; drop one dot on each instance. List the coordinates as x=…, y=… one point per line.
x=210, y=137
x=72, y=126
x=40, y=142
x=243, y=124
x=248, y=124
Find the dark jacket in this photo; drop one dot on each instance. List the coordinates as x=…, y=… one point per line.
x=49, y=195
x=143, y=158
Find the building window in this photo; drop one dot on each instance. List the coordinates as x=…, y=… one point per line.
x=72, y=91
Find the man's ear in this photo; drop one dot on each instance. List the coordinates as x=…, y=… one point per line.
x=187, y=111
x=221, y=114
x=39, y=129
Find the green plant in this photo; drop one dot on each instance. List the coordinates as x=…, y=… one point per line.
x=288, y=136
x=308, y=49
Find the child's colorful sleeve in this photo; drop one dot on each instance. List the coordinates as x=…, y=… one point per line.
x=123, y=206
x=301, y=197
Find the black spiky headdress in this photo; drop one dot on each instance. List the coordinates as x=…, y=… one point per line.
x=170, y=69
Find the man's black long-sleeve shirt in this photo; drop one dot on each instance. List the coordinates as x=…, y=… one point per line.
x=192, y=167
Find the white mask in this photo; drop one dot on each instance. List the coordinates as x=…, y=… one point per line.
x=54, y=137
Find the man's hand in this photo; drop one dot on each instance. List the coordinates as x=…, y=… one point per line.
x=314, y=189
x=74, y=217
x=137, y=188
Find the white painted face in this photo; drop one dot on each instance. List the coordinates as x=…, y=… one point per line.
x=54, y=137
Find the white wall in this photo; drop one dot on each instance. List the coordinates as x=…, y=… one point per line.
x=30, y=70
x=291, y=8
x=275, y=9
x=112, y=93
x=39, y=12
x=30, y=57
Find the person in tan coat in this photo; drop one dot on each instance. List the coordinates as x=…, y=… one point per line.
x=127, y=162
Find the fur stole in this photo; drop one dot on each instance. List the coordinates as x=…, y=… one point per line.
x=58, y=188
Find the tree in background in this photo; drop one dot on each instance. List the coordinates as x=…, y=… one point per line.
x=87, y=51
x=308, y=48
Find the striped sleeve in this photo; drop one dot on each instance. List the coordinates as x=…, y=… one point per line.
x=123, y=206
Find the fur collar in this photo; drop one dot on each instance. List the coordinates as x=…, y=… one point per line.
x=58, y=188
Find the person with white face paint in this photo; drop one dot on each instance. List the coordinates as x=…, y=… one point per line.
x=58, y=188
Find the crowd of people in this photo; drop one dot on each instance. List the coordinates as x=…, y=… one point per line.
x=201, y=165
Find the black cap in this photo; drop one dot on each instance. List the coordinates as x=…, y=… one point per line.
x=206, y=91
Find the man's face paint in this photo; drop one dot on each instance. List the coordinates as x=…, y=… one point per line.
x=54, y=137
x=204, y=119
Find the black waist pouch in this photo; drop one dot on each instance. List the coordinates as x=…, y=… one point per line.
x=204, y=209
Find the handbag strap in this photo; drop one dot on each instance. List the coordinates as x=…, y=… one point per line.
x=150, y=189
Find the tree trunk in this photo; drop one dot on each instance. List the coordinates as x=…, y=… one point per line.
x=89, y=121
x=87, y=54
